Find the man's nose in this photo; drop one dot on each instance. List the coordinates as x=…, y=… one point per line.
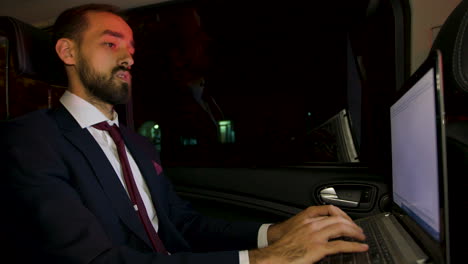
x=126, y=59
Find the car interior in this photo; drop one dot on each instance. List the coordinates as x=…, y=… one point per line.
x=303, y=98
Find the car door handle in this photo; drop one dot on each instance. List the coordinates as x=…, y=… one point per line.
x=329, y=195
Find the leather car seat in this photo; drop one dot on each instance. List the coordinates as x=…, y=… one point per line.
x=452, y=41
x=29, y=54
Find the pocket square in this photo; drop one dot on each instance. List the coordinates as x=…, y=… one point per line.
x=157, y=167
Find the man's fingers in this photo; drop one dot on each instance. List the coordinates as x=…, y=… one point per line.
x=322, y=222
x=326, y=210
x=339, y=229
x=313, y=236
x=338, y=212
x=341, y=246
x=318, y=218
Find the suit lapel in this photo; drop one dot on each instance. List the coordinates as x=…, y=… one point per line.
x=104, y=171
x=167, y=231
x=148, y=172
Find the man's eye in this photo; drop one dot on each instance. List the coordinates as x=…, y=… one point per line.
x=109, y=44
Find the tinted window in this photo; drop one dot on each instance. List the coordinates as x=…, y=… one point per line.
x=231, y=83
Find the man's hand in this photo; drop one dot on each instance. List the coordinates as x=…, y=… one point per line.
x=305, y=238
x=313, y=213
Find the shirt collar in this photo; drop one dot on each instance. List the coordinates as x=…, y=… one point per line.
x=85, y=113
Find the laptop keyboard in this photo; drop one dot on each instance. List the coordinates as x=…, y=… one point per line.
x=378, y=252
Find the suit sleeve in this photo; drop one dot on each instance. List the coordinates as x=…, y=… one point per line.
x=46, y=219
x=210, y=234
x=201, y=232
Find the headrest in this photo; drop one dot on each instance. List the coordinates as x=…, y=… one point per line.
x=452, y=41
x=32, y=51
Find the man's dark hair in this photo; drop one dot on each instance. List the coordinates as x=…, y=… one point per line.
x=72, y=22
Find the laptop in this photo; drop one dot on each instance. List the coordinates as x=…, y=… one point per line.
x=416, y=229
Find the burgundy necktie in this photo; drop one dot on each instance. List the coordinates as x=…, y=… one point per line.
x=135, y=197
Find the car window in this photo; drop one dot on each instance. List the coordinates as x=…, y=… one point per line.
x=224, y=83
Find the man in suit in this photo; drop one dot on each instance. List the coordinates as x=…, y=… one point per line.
x=66, y=191
x=191, y=116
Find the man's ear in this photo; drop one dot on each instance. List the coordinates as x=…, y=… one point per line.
x=65, y=49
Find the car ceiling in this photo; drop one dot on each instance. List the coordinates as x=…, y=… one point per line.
x=42, y=13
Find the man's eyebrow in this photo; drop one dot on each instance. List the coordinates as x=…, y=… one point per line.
x=116, y=34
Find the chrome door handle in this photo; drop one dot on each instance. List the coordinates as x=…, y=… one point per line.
x=329, y=195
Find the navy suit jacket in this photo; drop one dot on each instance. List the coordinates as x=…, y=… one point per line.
x=67, y=205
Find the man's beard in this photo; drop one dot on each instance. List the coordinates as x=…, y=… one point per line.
x=102, y=87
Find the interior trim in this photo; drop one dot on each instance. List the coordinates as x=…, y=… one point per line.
x=238, y=200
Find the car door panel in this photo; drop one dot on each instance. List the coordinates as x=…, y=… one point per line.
x=272, y=194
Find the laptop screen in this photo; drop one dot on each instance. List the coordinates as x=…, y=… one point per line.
x=415, y=160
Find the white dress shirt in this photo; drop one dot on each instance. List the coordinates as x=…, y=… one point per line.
x=88, y=115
